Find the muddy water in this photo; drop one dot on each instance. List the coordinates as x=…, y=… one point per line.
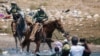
x=13, y=52
x=95, y=54
x=8, y=43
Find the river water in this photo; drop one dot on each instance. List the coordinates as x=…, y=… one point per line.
x=12, y=52
x=95, y=54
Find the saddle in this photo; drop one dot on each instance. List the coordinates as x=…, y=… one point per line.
x=15, y=29
x=37, y=27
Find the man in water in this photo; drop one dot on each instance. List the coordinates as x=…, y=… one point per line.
x=76, y=50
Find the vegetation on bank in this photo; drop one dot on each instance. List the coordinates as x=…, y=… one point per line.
x=94, y=40
x=0, y=51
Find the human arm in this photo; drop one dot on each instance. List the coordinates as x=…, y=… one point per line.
x=8, y=11
x=45, y=17
x=35, y=17
x=87, y=49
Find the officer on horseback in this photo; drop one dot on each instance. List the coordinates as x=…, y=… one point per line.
x=39, y=18
x=14, y=10
x=16, y=13
x=18, y=16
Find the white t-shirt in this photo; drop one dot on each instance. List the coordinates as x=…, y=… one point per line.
x=76, y=50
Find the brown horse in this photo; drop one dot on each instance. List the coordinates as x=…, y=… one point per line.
x=44, y=34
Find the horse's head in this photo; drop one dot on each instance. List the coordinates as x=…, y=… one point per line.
x=59, y=25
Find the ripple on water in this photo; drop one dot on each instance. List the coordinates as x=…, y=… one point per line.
x=12, y=52
x=95, y=54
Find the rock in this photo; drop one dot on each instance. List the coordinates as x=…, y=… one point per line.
x=71, y=29
x=89, y=16
x=96, y=15
x=77, y=29
x=86, y=13
x=76, y=13
x=80, y=24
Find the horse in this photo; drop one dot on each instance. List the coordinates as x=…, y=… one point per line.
x=44, y=34
x=18, y=26
x=19, y=29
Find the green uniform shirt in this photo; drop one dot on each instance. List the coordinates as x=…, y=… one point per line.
x=40, y=15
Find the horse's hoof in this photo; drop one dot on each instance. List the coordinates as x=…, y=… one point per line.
x=21, y=50
x=33, y=52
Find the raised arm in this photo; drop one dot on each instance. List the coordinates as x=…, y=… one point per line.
x=8, y=12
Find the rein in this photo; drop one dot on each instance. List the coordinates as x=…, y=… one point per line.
x=56, y=36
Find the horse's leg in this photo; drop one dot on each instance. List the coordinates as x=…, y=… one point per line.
x=23, y=44
x=49, y=44
x=20, y=42
x=13, y=27
x=37, y=46
x=28, y=46
x=20, y=39
x=16, y=42
x=26, y=41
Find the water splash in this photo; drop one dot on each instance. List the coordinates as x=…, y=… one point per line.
x=14, y=52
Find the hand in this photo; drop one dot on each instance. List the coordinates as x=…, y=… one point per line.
x=34, y=20
x=44, y=19
x=4, y=6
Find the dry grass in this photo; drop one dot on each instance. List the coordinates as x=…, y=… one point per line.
x=5, y=27
x=88, y=29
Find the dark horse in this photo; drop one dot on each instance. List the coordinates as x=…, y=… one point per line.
x=44, y=34
x=19, y=29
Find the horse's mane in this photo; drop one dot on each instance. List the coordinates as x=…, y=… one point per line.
x=49, y=22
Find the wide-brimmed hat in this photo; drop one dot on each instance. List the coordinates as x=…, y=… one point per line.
x=13, y=2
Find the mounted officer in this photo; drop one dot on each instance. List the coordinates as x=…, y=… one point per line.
x=16, y=13
x=39, y=18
